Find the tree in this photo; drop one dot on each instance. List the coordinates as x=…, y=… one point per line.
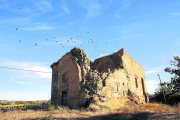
x=175, y=69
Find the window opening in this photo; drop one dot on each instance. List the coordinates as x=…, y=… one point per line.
x=136, y=82
x=65, y=77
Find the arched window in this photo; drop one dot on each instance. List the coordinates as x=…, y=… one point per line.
x=136, y=82
x=65, y=77
x=55, y=77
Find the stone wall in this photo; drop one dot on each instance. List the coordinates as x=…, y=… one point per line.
x=107, y=77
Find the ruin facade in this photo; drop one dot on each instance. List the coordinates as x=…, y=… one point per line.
x=76, y=80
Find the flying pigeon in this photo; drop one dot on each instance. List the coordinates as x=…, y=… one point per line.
x=18, y=7
x=16, y=28
x=54, y=36
x=61, y=37
x=49, y=49
x=46, y=39
x=45, y=48
x=71, y=38
x=88, y=41
x=106, y=42
x=56, y=41
x=60, y=44
x=87, y=32
x=90, y=38
x=83, y=42
x=67, y=40
x=35, y=44
x=78, y=38
x=19, y=40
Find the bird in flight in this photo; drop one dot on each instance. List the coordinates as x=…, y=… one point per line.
x=87, y=32
x=71, y=38
x=49, y=49
x=18, y=7
x=54, y=36
x=106, y=42
x=35, y=44
x=56, y=41
x=46, y=39
x=90, y=38
x=61, y=37
x=19, y=40
x=16, y=28
x=45, y=48
x=60, y=44
x=67, y=40
x=78, y=38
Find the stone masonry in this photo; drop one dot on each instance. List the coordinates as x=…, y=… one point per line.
x=76, y=81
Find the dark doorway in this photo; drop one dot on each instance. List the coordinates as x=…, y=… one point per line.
x=64, y=98
x=142, y=81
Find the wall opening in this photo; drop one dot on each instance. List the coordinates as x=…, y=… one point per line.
x=117, y=87
x=136, y=82
x=64, y=98
x=104, y=83
x=55, y=77
x=142, y=81
x=65, y=77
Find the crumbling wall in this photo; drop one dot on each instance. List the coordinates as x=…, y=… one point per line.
x=107, y=77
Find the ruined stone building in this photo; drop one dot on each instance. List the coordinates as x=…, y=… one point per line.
x=75, y=79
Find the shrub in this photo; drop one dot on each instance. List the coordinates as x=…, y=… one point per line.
x=51, y=107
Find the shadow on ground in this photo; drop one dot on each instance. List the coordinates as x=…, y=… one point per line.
x=117, y=116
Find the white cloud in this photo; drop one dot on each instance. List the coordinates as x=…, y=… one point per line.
x=41, y=27
x=124, y=31
x=25, y=96
x=93, y=8
x=65, y=8
x=118, y=16
x=34, y=66
x=43, y=5
x=3, y=4
x=21, y=82
x=126, y=4
x=154, y=70
x=151, y=85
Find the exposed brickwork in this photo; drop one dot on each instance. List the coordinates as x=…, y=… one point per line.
x=107, y=77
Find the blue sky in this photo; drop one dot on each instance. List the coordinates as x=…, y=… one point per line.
x=147, y=29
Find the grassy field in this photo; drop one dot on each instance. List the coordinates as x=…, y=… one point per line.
x=110, y=110
x=5, y=106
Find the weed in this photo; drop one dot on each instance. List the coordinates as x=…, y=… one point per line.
x=51, y=108
x=50, y=117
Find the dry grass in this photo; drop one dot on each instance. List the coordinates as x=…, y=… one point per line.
x=110, y=107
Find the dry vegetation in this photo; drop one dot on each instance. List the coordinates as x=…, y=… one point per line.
x=125, y=109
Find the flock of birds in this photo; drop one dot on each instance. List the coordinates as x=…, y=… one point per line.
x=71, y=40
